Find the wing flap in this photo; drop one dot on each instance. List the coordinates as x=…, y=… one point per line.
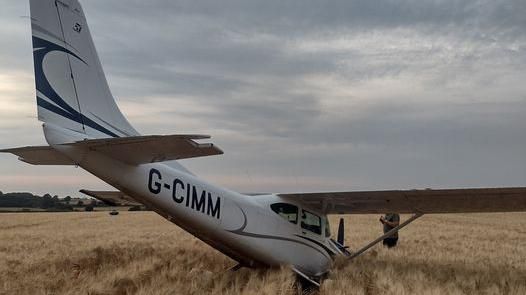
x=112, y=198
x=137, y=150
x=39, y=155
x=413, y=201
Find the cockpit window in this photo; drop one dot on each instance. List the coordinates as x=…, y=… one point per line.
x=327, y=227
x=311, y=222
x=287, y=211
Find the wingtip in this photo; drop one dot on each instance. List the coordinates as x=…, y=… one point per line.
x=8, y=150
x=87, y=192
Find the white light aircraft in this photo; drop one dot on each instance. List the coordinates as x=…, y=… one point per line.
x=84, y=127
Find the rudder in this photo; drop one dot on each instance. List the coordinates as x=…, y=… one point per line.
x=72, y=91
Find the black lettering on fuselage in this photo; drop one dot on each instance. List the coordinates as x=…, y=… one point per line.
x=198, y=204
x=154, y=186
x=213, y=211
x=186, y=194
x=175, y=197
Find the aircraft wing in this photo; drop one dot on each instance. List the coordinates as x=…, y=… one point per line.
x=415, y=201
x=137, y=150
x=112, y=198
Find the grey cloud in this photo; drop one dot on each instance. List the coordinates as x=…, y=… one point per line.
x=361, y=13
x=353, y=94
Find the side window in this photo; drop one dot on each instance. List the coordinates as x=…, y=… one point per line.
x=287, y=211
x=311, y=222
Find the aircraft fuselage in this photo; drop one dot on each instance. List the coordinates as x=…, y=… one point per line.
x=242, y=227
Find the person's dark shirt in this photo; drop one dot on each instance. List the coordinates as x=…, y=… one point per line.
x=391, y=217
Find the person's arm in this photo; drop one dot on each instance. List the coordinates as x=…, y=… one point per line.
x=394, y=223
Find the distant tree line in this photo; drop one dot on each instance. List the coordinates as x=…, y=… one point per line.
x=51, y=203
x=48, y=202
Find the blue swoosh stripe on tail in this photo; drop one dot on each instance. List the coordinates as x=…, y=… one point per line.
x=61, y=108
x=54, y=109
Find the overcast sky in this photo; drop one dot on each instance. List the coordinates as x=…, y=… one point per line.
x=301, y=95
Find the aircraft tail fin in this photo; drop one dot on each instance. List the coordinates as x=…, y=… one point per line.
x=72, y=91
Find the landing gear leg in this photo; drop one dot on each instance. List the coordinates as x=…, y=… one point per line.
x=235, y=267
x=305, y=286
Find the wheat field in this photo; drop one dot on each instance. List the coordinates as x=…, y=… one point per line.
x=141, y=253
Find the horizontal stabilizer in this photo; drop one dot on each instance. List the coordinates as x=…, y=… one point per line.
x=137, y=150
x=112, y=198
x=39, y=155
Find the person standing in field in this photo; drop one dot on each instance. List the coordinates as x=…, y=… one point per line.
x=390, y=221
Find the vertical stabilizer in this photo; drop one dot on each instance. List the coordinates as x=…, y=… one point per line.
x=71, y=88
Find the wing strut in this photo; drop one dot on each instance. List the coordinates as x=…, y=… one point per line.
x=392, y=231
